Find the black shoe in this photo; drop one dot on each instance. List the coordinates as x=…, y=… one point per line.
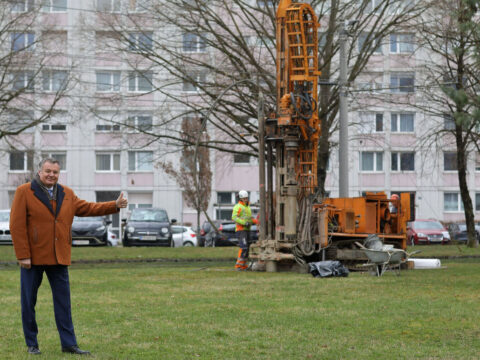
x=33, y=350
x=75, y=350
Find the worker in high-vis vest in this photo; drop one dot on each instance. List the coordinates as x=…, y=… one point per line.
x=242, y=215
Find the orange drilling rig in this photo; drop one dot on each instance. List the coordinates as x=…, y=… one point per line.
x=299, y=227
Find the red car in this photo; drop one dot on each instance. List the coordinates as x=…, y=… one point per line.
x=426, y=232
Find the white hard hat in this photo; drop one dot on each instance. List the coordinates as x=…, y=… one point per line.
x=242, y=194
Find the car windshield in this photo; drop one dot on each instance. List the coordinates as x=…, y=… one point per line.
x=4, y=216
x=153, y=215
x=88, y=218
x=428, y=225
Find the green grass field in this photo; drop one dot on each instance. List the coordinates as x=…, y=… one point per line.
x=203, y=309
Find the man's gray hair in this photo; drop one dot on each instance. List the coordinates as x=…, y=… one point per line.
x=50, y=160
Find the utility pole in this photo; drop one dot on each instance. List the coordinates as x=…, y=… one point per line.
x=343, y=137
x=343, y=115
x=261, y=157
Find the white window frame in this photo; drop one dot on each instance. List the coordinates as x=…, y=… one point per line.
x=113, y=157
x=26, y=77
x=377, y=161
x=368, y=122
x=196, y=44
x=396, y=80
x=135, y=156
x=51, y=82
x=445, y=153
x=458, y=200
x=61, y=156
x=28, y=41
x=104, y=126
x=27, y=158
x=135, y=125
x=137, y=43
x=55, y=127
x=114, y=6
x=377, y=40
x=398, y=120
x=402, y=43
x=113, y=84
x=399, y=161
x=54, y=6
x=135, y=78
x=27, y=6
x=188, y=87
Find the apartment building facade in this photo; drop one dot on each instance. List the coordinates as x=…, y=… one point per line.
x=101, y=154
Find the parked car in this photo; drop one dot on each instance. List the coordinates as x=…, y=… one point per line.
x=207, y=227
x=183, y=236
x=5, y=237
x=458, y=232
x=113, y=239
x=226, y=236
x=148, y=227
x=90, y=231
x=426, y=232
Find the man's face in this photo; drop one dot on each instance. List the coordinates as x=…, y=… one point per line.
x=49, y=174
x=244, y=199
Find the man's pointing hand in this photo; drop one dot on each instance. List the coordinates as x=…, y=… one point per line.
x=121, y=201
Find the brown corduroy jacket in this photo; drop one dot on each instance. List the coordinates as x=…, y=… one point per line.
x=42, y=229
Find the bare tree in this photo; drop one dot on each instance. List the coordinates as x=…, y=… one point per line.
x=31, y=81
x=202, y=47
x=193, y=165
x=450, y=87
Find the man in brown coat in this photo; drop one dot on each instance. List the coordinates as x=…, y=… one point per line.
x=40, y=223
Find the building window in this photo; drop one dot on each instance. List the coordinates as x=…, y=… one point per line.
x=140, y=81
x=376, y=41
x=140, y=42
x=61, y=157
x=108, y=5
x=107, y=161
x=193, y=43
x=21, y=161
x=224, y=197
x=108, y=81
x=403, y=161
x=452, y=202
x=22, y=5
x=372, y=6
x=23, y=80
x=401, y=43
x=450, y=161
x=477, y=201
x=54, y=127
x=54, y=5
x=22, y=41
x=106, y=126
x=140, y=161
x=370, y=122
x=139, y=5
x=477, y=161
x=140, y=123
x=404, y=83
x=448, y=122
x=54, y=80
x=402, y=123
x=193, y=84
x=241, y=159
x=371, y=161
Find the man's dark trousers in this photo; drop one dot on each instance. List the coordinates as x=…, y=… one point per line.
x=30, y=281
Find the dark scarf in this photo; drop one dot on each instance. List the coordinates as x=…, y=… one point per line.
x=45, y=189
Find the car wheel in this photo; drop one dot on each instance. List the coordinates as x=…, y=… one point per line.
x=187, y=243
x=109, y=243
